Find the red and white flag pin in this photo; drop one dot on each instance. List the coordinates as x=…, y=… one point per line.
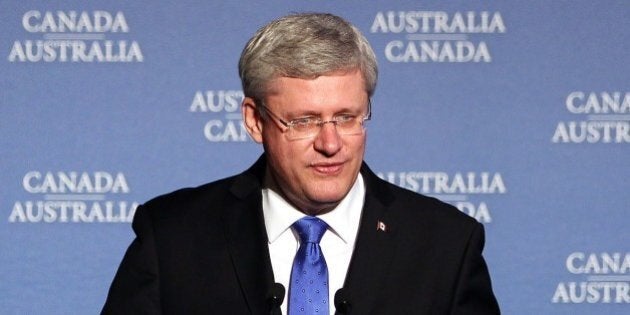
x=380, y=226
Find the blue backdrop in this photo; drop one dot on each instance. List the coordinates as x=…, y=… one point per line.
x=516, y=112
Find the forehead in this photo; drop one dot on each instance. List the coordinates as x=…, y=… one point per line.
x=319, y=94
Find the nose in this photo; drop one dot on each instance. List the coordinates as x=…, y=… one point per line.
x=328, y=142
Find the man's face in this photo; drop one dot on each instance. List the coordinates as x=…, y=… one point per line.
x=316, y=173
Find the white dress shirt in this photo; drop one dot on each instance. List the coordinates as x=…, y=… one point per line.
x=337, y=243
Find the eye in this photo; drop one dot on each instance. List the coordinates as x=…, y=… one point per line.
x=344, y=119
x=304, y=122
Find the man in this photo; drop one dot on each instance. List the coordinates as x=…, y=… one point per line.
x=379, y=249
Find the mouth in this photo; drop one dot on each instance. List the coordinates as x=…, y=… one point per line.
x=328, y=168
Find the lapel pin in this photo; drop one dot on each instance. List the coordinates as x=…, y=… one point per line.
x=380, y=226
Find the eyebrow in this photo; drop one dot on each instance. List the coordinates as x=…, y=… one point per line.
x=310, y=112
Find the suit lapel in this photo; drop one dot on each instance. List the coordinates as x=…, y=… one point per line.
x=374, y=246
x=247, y=238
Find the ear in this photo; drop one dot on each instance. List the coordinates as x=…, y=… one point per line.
x=251, y=119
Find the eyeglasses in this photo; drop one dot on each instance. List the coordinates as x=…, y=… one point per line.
x=310, y=126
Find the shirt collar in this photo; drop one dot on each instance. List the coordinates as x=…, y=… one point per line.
x=279, y=215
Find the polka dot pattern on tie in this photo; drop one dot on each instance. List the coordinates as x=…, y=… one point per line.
x=308, y=292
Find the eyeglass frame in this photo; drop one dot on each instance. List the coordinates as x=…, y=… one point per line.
x=289, y=125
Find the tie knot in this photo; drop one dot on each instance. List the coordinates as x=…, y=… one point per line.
x=310, y=229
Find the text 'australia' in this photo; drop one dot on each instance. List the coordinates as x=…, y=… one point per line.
x=437, y=36
x=75, y=37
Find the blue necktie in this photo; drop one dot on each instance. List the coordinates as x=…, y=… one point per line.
x=308, y=291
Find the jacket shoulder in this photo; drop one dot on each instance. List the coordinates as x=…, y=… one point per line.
x=414, y=208
x=190, y=199
x=430, y=205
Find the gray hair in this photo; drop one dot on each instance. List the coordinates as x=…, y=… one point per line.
x=305, y=46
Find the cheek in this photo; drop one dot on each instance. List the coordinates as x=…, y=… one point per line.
x=356, y=146
x=289, y=158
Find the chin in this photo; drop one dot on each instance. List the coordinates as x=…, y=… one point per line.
x=331, y=197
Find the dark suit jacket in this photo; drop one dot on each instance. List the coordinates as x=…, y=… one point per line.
x=204, y=251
